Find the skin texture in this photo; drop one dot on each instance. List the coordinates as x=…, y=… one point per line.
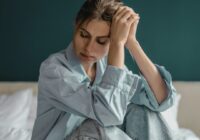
x=88, y=41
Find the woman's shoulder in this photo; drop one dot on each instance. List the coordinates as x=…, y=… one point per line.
x=56, y=60
x=58, y=57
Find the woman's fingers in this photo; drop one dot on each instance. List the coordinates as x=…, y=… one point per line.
x=132, y=19
x=125, y=13
x=120, y=9
x=122, y=24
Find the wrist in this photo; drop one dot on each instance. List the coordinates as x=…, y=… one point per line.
x=131, y=43
x=117, y=44
x=116, y=56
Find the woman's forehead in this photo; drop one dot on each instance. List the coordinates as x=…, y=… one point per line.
x=96, y=27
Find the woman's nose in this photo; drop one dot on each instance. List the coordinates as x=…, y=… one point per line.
x=89, y=46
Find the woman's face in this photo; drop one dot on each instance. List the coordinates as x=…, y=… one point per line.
x=91, y=41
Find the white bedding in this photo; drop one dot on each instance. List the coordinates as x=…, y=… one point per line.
x=21, y=107
x=185, y=134
x=16, y=116
x=11, y=133
x=15, y=108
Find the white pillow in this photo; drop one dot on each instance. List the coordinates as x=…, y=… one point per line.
x=170, y=115
x=14, y=108
x=185, y=134
x=33, y=112
x=7, y=133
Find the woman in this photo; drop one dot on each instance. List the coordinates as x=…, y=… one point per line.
x=87, y=92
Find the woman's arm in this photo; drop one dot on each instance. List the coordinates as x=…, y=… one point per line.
x=149, y=70
x=63, y=88
x=145, y=65
x=119, y=30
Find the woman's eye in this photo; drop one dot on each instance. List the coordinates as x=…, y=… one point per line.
x=84, y=35
x=102, y=42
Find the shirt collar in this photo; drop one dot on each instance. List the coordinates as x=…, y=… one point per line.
x=77, y=66
x=71, y=56
x=73, y=60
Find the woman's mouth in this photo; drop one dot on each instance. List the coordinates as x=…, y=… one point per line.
x=87, y=57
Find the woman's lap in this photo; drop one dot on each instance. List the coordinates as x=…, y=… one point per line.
x=140, y=123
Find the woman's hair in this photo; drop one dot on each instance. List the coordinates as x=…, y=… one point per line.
x=97, y=9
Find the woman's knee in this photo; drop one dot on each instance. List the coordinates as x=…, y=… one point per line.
x=89, y=129
x=140, y=121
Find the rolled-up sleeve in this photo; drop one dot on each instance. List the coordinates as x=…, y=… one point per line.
x=145, y=96
x=114, y=92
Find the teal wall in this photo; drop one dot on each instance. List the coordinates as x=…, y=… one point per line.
x=30, y=30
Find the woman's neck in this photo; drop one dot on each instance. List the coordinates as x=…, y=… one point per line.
x=90, y=70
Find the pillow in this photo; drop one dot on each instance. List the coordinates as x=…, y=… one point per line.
x=33, y=112
x=14, y=108
x=170, y=115
x=7, y=133
x=185, y=134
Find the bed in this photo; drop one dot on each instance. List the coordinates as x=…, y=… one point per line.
x=18, y=101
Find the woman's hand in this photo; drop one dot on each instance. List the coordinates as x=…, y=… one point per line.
x=124, y=25
x=133, y=28
x=122, y=29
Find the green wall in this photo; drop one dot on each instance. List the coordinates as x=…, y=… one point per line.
x=168, y=31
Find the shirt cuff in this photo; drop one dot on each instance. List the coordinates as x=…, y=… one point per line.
x=169, y=101
x=120, y=78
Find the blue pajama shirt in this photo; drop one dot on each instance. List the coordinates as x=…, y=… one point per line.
x=66, y=98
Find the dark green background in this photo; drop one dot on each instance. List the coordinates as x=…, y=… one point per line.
x=168, y=31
